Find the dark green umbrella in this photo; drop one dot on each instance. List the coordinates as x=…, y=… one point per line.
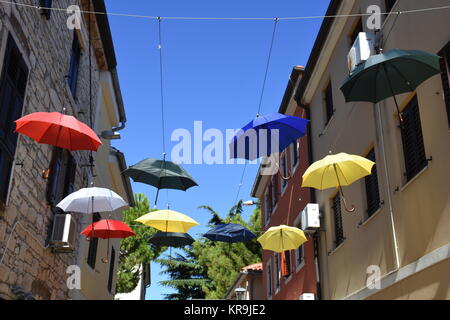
x=171, y=239
x=161, y=174
x=388, y=74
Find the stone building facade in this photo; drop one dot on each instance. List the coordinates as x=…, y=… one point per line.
x=45, y=48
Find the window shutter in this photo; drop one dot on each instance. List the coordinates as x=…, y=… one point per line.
x=372, y=189
x=74, y=64
x=13, y=83
x=46, y=4
x=69, y=185
x=338, y=225
x=55, y=171
x=93, y=244
x=285, y=264
x=413, y=146
x=111, y=270
x=445, y=74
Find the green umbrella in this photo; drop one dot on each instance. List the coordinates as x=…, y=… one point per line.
x=171, y=239
x=388, y=74
x=161, y=174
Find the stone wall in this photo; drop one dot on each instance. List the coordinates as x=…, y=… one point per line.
x=28, y=266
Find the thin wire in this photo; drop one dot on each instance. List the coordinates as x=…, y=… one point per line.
x=240, y=184
x=161, y=86
x=268, y=64
x=223, y=18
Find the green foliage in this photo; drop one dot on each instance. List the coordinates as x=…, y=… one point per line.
x=187, y=276
x=135, y=251
x=224, y=261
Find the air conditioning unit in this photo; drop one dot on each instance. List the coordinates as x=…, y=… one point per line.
x=63, y=233
x=307, y=296
x=311, y=217
x=362, y=49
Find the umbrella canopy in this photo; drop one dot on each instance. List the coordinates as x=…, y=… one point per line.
x=282, y=238
x=171, y=239
x=168, y=221
x=260, y=144
x=336, y=170
x=229, y=232
x=58, y=130
x=388, y=74
x=90, y=200
x=161, y=174
x=107, y=229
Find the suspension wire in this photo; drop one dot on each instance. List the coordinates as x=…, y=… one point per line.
x=240, y=183
x=161, y=86
x=267, y=65
x=224, y=18
x=91, y=158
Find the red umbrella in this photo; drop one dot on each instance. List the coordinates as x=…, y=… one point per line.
x=107, y=229
x=58, y=130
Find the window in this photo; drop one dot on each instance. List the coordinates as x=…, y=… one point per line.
x=284, y=171
x=286, y=264
x=268, y=205
x=93, y=244
x=74, y=64
x=13, y=83
x=277, y=270
x=111, y=270
x=372, y=190
x=389, y=4
x=338, y=227
x=357, y=29
x=46, y=5
x=445, y=74
x=269, y=280
x=328, y=97
x=294, y=154
x=413, y=146
x=274, y=192
x=299, y=256
x=61, y=181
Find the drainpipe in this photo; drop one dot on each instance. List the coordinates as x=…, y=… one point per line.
x=120, y=104
x=391, y=211
x=316, y=237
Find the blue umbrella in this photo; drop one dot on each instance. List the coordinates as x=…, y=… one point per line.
x=229, y=232
x=252, y=144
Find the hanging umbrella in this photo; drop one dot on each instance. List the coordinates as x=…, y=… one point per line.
x=161, y=174
x=260, y=144
x=108, y=229
x=282, y=238
x=336, y=171
x=229, y=232
x=171, y=239
x=58, y=130
x=90, y=200
x=168, y=221
x=388, y=74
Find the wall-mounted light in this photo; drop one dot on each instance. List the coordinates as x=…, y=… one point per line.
x=110, y=135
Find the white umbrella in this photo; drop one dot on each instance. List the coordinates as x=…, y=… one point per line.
x=90, y=200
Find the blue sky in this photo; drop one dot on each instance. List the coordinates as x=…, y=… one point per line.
x=213, y=72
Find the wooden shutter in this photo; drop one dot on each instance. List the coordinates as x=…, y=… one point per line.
x=93, y=244
x=445, y=74
x=329, y=107
x=71, y=170
x=338, y=225
x=46, y=4
x=74, y=64
x=285, y=264
x=53, y=179
x=111, y=270
x=13, y=85
x=372, y=189
x=413, y=146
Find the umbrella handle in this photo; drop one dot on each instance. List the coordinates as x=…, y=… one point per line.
x=352, y=209
x=281, y=174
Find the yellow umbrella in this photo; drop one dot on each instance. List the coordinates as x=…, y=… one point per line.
x=336, y=171
x=282, y=238
x=168, y=221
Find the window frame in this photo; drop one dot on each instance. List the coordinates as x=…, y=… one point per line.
x=444, y=53
x=74, y=65
x=328, y=102
x=338, y=226
x=294, y=148
x=111, y=270
x=269, y=283
x=277, y=271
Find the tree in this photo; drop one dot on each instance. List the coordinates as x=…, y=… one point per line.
x=134, y=251
x=224, y=261
x=187, y=276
